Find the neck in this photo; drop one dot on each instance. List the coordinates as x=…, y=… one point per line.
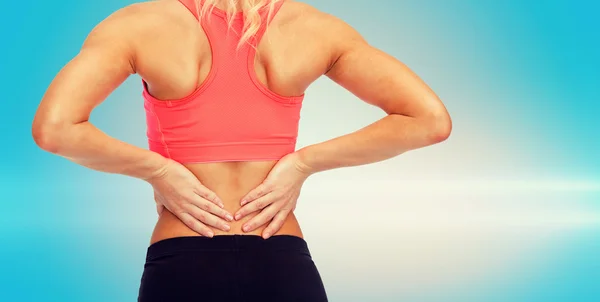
x=223, y=4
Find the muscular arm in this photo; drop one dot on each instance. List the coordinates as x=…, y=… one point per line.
x=61, y=123
x=415, y=116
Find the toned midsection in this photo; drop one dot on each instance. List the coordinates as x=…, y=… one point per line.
x=230, y=181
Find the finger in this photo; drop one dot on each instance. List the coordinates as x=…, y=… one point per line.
x=195, y=225
x=255, y=205
x=159, y=203
x=206, y=217
x=276, y=224
x=209, y=195
x=210, y=207
x=158, y=198
x=257, y=192
x=262, y=218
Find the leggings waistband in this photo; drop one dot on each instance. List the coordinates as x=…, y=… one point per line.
x=226, y=243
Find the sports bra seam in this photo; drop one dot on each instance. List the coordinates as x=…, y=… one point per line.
x=194, y=95
x=162, y=134
x=221, y=144
x=251, y=67
x=229, y=159
x=205, y=83
x=263, y=89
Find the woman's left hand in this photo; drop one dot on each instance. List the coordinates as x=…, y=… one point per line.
x=275, y=197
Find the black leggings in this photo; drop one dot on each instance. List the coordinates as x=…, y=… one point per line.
x=241, y=268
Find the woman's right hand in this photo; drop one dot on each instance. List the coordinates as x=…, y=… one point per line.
x=180, y=191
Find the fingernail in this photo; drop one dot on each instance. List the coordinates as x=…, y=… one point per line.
x=221, y=205
x=210, y=234
x=243, y=202
x=266, y=235
x=227, y=227
x=245, y=228
x=229, y=217
x=238, y=216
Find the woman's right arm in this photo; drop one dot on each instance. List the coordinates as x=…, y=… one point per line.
x=61, y=124
x=415, y=118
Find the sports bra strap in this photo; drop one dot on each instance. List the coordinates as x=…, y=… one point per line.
x=262, y=29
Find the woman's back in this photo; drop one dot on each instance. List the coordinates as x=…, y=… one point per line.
x=173, y=55
x=227, y=137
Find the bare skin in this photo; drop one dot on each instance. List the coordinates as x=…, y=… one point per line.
x=163, y=43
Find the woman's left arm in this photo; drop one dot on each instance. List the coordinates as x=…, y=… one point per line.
x=61, y=124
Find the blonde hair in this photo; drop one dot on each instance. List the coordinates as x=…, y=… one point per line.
x=251, y=12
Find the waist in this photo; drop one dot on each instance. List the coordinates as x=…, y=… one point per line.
x=169, y=226
x=223, y=243
x=230, y=181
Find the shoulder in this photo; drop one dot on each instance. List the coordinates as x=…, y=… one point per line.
x=320, y=25
x=128, y=32
x=136, y=22
x=316, y=20
x=331, y=35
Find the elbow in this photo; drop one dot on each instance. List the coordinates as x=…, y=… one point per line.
x=47, y=135
x=439, y=127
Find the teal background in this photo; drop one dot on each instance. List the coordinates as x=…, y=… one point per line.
x=508, y=209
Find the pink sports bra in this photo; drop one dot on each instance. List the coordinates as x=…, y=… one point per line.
x=231, y=116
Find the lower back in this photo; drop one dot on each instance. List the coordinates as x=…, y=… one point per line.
x=230, y=181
